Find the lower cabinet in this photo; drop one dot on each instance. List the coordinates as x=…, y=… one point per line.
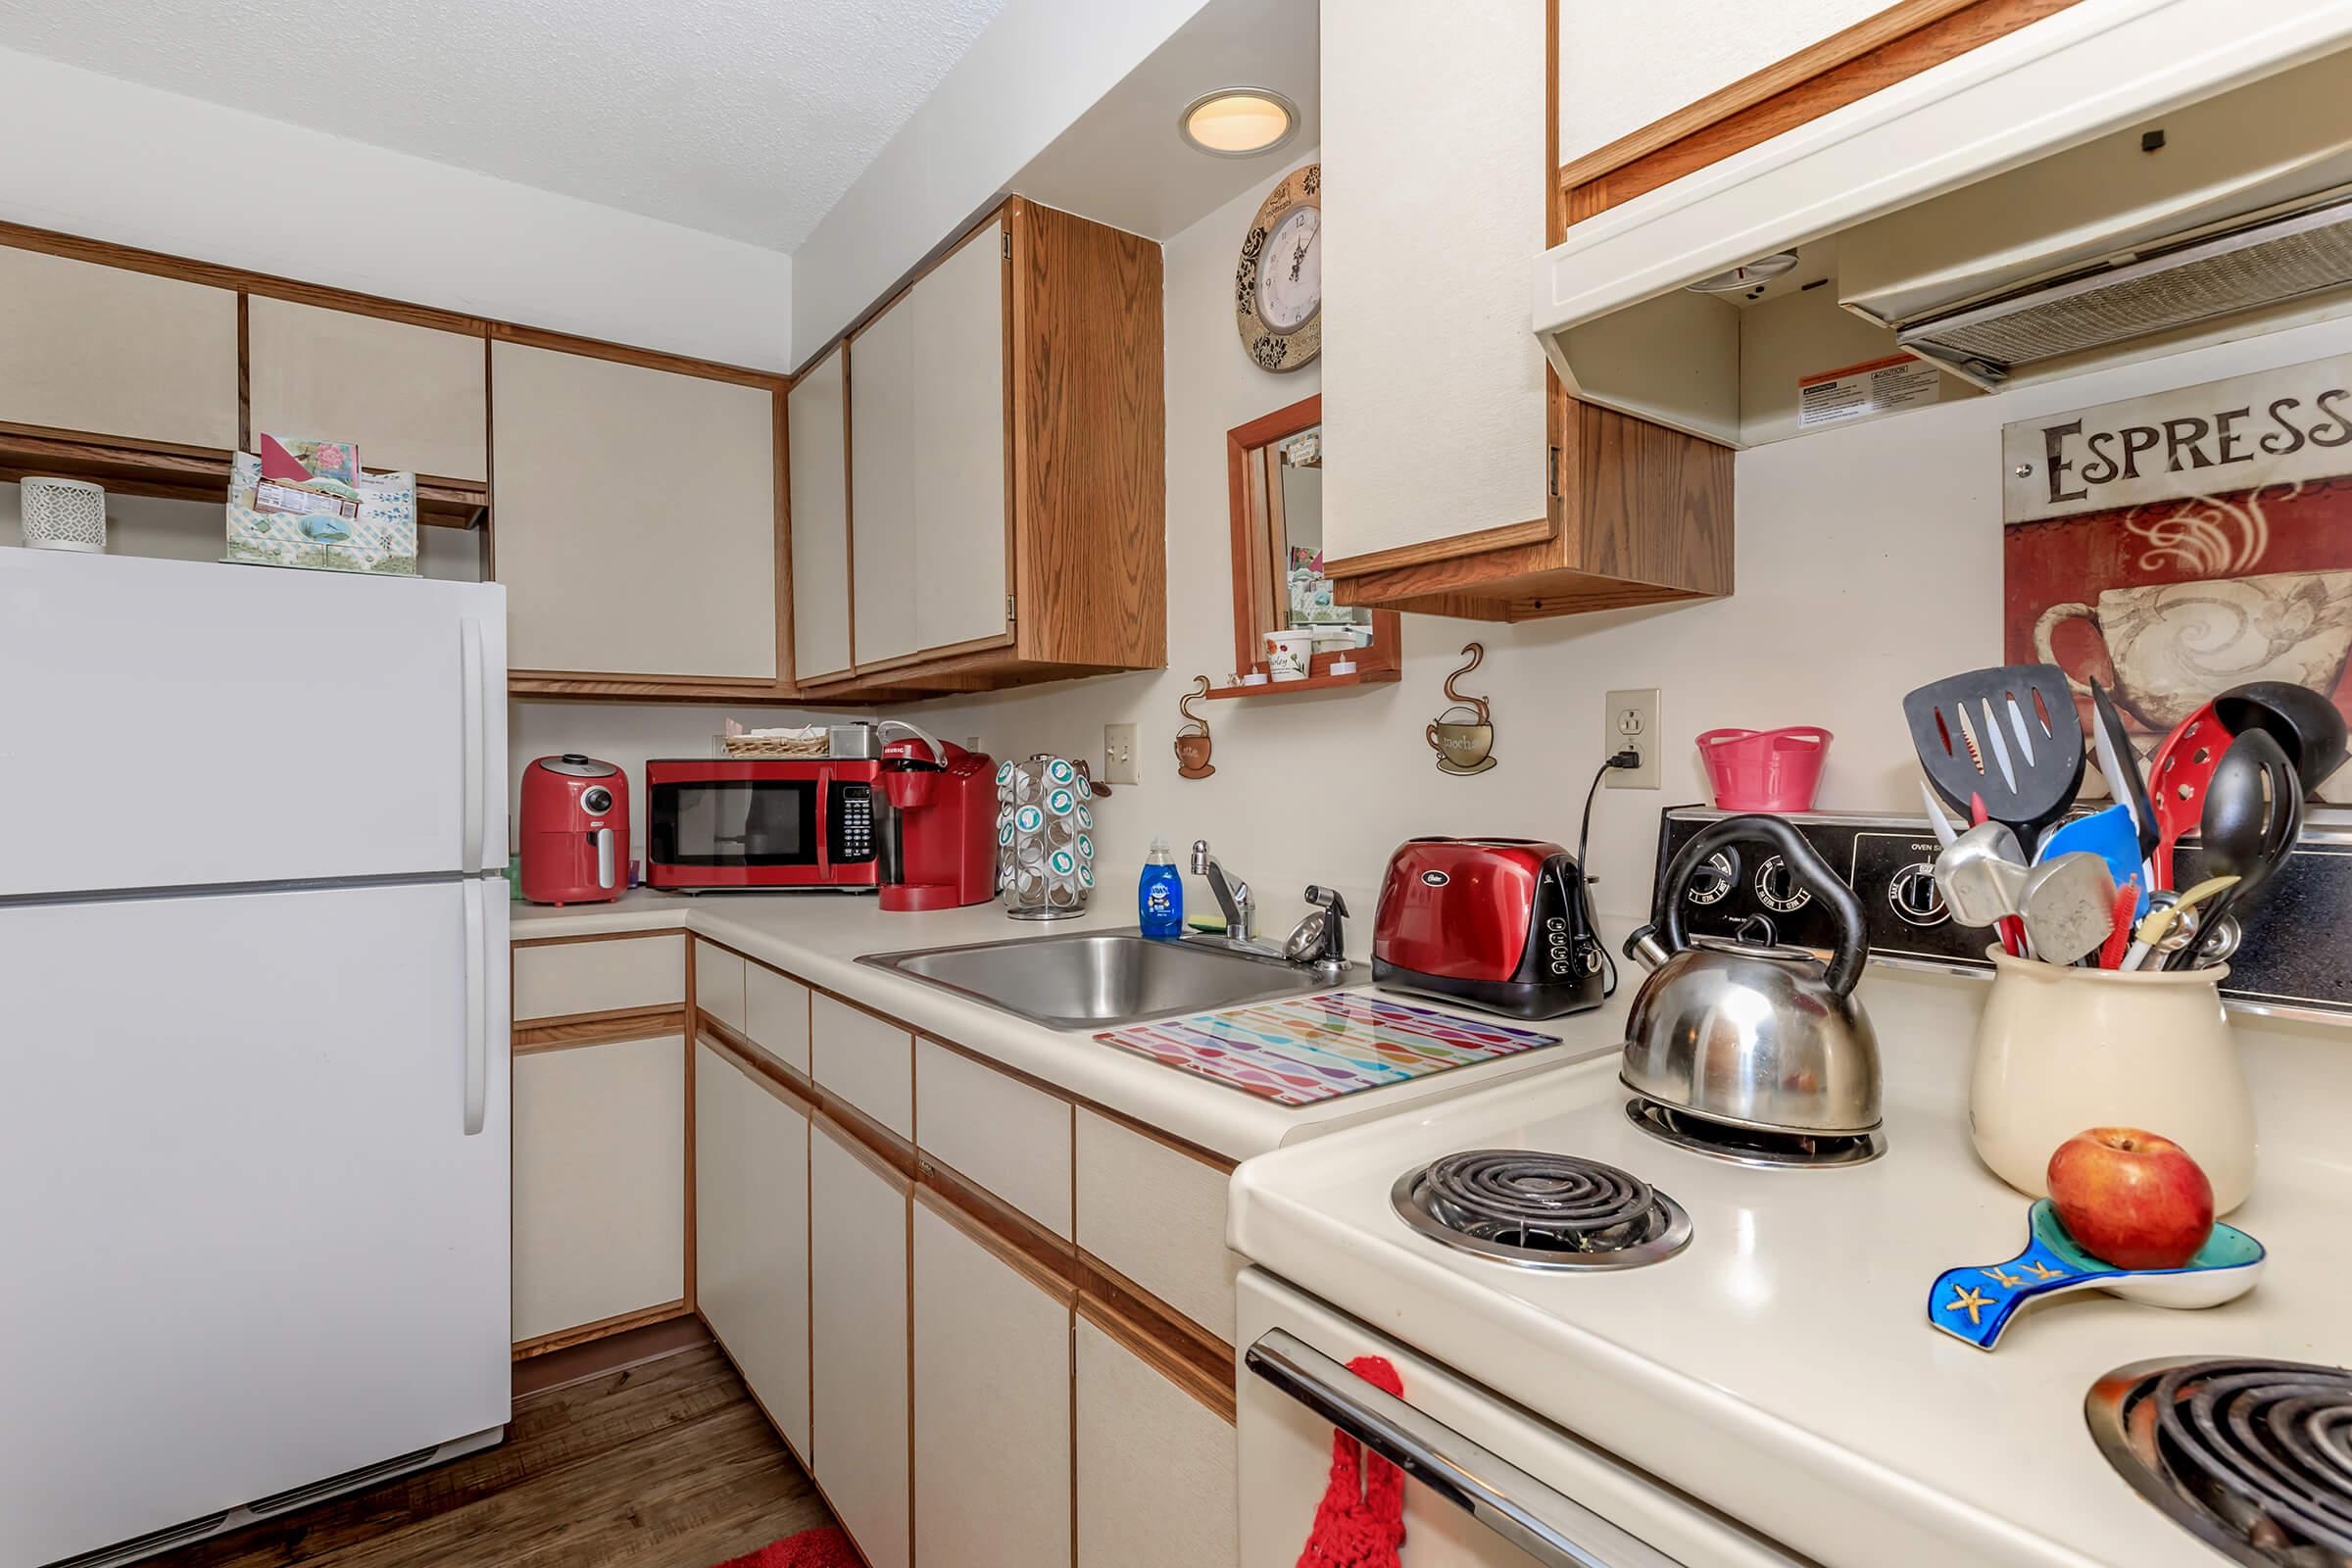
x=857, y=1246
x=600, y=1183
x=992, y=1407
x=751, y=1165
x=1156, y=1482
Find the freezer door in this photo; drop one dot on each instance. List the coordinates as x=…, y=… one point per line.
x=176, y=724
x=249, y=1241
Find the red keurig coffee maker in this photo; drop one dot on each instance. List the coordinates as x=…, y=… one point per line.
x=943, y=852
x=575, y=830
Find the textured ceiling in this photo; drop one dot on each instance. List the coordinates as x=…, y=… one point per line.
x=744, y=117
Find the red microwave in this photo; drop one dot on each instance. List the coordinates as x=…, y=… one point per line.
x=763, y=822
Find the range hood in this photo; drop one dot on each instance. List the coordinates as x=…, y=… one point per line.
x=2120, y=179
x=2249, y=271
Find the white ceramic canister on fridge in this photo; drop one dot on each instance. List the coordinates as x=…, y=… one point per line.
x=1045, y=838
x=2060, y=1049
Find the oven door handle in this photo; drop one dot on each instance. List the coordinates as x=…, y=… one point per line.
x=1539, y=1521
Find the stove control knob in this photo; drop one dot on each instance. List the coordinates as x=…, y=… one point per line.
x=1915, y=895
x=1778, y=888
x=1714, y=879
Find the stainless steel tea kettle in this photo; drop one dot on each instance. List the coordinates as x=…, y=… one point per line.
x=1747, y=1032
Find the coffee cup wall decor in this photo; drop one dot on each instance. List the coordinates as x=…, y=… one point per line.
x=1463, y=736
x=1192, y=740
x=2175, y=644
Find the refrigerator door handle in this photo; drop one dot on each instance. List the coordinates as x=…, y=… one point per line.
x=477, y=1008
x=472, y=752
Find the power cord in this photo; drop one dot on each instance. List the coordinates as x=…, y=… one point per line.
x=1628, y=758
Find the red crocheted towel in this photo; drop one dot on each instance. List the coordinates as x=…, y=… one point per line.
x=1360, y=1522
x=823, y=1548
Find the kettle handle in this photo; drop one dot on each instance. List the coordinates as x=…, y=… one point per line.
x=1804, y=863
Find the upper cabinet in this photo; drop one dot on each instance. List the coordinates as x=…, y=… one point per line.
x=417, y=392
x=106, y=351
x=929, y=454
x=820, y=520
x=1006, y=472
x=1461, y=480
x=636, y=517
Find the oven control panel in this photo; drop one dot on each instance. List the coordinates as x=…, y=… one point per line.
x=2292, y=955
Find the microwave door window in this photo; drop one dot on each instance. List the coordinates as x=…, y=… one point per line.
x=735, y=822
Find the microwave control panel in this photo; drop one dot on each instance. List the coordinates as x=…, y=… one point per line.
x=850, y=825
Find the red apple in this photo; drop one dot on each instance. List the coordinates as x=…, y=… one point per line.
x=2131, y=1198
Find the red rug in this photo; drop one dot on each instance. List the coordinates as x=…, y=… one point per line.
x=824, y=1547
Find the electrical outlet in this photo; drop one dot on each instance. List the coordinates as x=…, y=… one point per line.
x=1631, y=719
x=1118, y=753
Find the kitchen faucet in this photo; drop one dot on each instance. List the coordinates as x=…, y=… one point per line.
x=1233, y=895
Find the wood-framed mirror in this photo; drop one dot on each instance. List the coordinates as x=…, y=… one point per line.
x=1274, y=483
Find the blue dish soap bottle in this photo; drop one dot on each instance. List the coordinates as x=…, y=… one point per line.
x=1159, y=894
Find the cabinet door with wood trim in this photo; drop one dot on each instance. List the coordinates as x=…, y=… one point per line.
x=818, y=410
x=992, y=1407
x=751, y=1207
x=883, y=437
x=1156, y=1216
x=111, y=351
x=636, y=517
x=413, y=398
x=961, y=527
x=857, y=1245
x=600, y=1183
x=1156, y=1484
x=1434, y=413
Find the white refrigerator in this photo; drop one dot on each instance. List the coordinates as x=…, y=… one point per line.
x=254, y=1119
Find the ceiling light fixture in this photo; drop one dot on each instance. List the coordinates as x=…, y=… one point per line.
x=1238, y=122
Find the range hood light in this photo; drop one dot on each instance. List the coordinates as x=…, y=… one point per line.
x=1763, y=270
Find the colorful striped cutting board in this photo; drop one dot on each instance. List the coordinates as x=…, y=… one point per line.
x=1307, y=1049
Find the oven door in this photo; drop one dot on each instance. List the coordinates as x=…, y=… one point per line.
x=734, y=828
x=1474, y=1498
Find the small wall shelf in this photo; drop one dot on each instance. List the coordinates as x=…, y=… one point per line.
x=1323, y=680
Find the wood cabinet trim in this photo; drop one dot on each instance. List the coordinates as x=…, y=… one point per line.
x=1170, y=1343
x=778, y=1078
x=990, y=1225
x=1875, y=53
x=1538, y=530
x=602, y=1328
x=596, y=1028
x=130, y=258
x=673, y=931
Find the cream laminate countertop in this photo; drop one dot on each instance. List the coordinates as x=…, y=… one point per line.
x=819, y=937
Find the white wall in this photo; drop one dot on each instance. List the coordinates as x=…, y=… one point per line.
x=109, y=159
x=1623, y=66
x=1869, y=560
x=1038, y=66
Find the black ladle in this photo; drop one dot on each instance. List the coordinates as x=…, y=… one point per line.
x=2253, y=815
x=2307, y=727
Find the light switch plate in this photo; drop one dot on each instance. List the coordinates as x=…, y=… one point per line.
x=1118, y=753
x=1631, y=718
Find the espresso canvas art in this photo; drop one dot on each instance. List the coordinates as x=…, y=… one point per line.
x=2172, y=546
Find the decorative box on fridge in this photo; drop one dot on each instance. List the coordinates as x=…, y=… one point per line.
x=1045, y=838
x=63, y=515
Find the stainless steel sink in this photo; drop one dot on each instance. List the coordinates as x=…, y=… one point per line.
x=1097, y=979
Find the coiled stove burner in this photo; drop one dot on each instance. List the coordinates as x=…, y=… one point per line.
x=1542, y=1211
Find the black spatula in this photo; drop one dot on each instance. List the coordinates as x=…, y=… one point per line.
x=2008, y=736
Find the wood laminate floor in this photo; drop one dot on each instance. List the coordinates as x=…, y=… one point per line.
x=665, y=1465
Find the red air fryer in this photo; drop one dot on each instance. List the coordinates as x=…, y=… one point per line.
x=575, y=830
x=943, y=846
x=1502, y=924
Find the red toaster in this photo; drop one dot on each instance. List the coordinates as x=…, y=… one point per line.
x=1501, y=924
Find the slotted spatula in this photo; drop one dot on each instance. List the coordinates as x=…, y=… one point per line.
x=2008, y=735
x=2176, y=778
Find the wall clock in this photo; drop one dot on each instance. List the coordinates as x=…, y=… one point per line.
x=1278, y=286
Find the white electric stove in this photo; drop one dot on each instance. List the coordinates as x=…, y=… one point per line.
x=1745, y=1375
